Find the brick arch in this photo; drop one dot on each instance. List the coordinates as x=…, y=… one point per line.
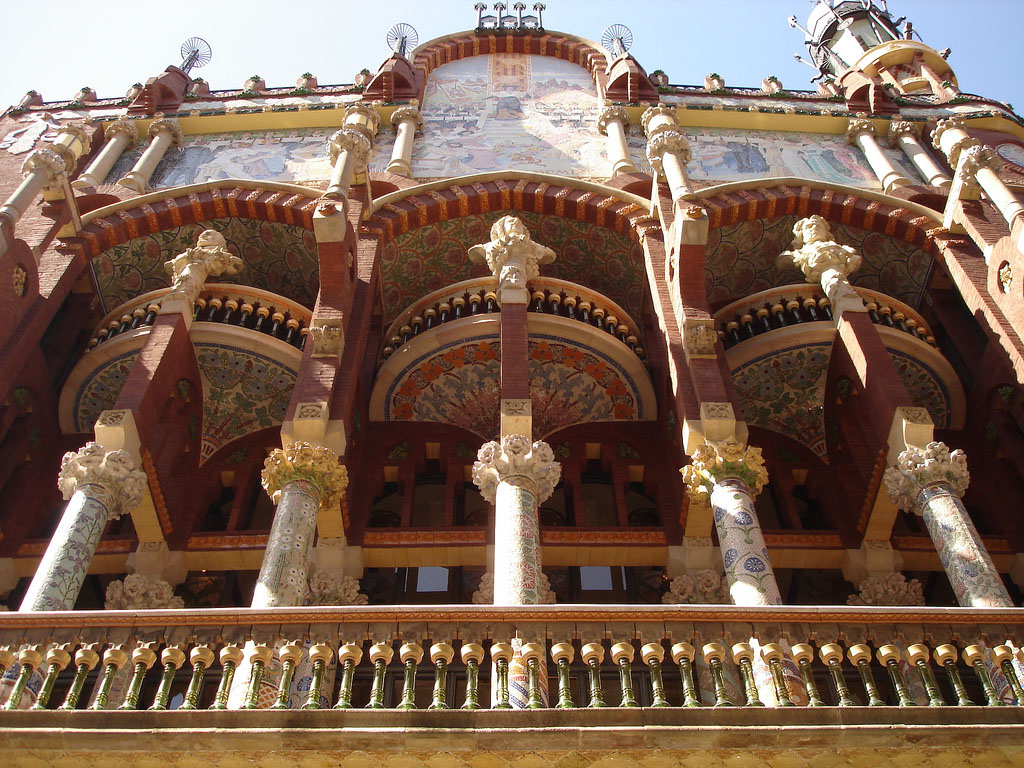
x=146, y=215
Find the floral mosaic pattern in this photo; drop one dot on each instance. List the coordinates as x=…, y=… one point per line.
x=509, y=111
x=741, y=259
x=784, y=391
x=925, y=386
x=278, y=257
x=283, y=575
x=244, y=393
x=460, y=385
x=744, y=554
x=430, y=258
x=98, y=392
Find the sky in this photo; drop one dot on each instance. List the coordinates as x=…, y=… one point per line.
x=110, y=44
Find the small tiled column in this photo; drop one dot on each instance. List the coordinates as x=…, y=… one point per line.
x=349, y=148
x=930, y=481
x=612, y=123
x=407, y=120
x=861, y=132
x=164, y=134
x=516, y=477
x=99, y=485
x=823, y=260
x=120, y=135
x=189, y=270
x=903, y=134
x=667, y=148
x=301, y=480
x=732, y=475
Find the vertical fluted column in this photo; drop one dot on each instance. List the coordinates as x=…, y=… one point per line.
x=349, y=148
x=163, y=134
x=120, y=135
x=407, y=120
x=99, y=485
x=516, y=477
x=301, y=479
x=903, y=134
x=930, y=481
x=732, y=475
x=861, y=132
x=667, y=148
x=612, y=123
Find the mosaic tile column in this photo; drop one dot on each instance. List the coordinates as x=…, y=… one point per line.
x=732, y=475
x=99, y=486
x=930, y=481
x=301, y=479
x=516, y=477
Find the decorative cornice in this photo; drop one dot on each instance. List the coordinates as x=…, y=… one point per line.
x=710, y=464
x=108, y=476
x=511, y=254
x=304, y=462
x=919, y=468
x=514, y=459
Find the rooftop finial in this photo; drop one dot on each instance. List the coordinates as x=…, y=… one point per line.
x=501, y=20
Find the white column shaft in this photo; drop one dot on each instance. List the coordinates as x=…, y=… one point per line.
x=618, y=148
x=98, y=169
x=919, y=156
x=139, y=176
x=886, y=172
x=401, y=153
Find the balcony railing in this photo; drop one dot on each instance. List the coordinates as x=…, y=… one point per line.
x=622, y=656
x=237, y=305
x=791, y=305
x=548, y=296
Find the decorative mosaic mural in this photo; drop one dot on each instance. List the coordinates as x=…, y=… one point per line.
x=432, y=257
x=509, y=111
x=925, y=386
x=99, y=390
x=741, y=259
x=278, y=257
x=570, y=383
x=784, y=391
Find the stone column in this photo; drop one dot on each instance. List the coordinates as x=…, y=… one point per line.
x=407, y=120
x=99, y=485
x=189, y=270
x=349, y=148
x=930, y=481
x=667, y=148
x=861, y=132
x=732, y=475
x=43, y=169
x=301, y=480
x=977, y=168
x=612, y=123
x=903, y=134
x=121, y=135
x=164, y=134
x=516, y=477
x=823, y=260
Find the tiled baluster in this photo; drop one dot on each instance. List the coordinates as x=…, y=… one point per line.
x=290, y=655
x=472, y=654
x=946, y=656
x=860, y=656
x=230, y=657
x=803, y=655
x=201, y=657
x=531, y=654
x=743, y=657
x=143, y=658
x=773, y=655
x=113, y=659
x=172, y=658
x=57, y=658
x=889, y=657
x=622, y=656
x=653, y=654
x=714, y=653
x=29, y=658
x=682, y=655
x=259, y=657
x=974, y=655
x=1002, y=655
x=592, y=655
x=320, y=656
x=349, y=656
x=441, y=654
x=86, y=659
x=380, y=656
x=501, y=655
x=411, y=654
x=917, y=655
x=832, y=656
x=562, y=654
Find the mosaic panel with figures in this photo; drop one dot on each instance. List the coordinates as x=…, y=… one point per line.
x=432, y=257
x=278, y=257
x=742, y=259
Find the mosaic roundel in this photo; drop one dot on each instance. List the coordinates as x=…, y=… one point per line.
x=570, y=383
x=99, y=390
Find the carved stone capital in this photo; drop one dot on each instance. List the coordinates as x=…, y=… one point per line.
x=515, y=459
x=138, y=592
x=80, y=134
x=660, y=110
x=893, y=589
x=327, y=588
x=815, y=252
x=304, y=462
x=167, y=125
x=122, y=127
x=111, y=478
x=209, y=258
x=898, y=128
x=667, y=141
x=918, y=468
x=362, y=117
x=700, y=338
x=511, y=255
x=48, y=162
x=351, y=141
x=608, y=114
x=328, y=337
x=712, y=463
x=409, y=113
x=947, y=124
x=973, y=159
x=856, y=126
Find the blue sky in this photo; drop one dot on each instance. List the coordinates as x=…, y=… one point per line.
x=59, y=50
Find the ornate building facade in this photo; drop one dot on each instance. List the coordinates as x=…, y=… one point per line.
x=513, y=377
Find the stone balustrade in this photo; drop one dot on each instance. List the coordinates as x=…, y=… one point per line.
x=448, y=657
x=547, y=295
x=791, y=305
x=236, y=305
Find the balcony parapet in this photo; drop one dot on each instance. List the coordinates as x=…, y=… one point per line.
x=237, y=305
x=790, y=305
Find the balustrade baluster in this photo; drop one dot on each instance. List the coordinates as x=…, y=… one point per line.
x=714, y=653
x=773, y=655
x=832, y=655
x=811, y=308
x=349, y=656
x=29, y=658
x=472, y=654
x=230, y=657
x=763, y=320
x=826, y=307
x=946, y=655
x=6, y=659
x=277, y=320
x=214, y=307
x=974, y=656
x=554, y=303
x=200, y=658
x=138, y=315
x=562, y=654
x=230, y=306
x=1002, y=655
x=860, y=656
x=441, y=654
x=293, y=328
x=143, y=659
x=889, y=657
x=406, y=331
x=320, y=654
x=803, y=655
x=570, y=307
x=417, y=325
x=501, y=655
x=430, y=316
x=290, y=655
x=597, y=317
x=446, y=312
x=652, y=655
x=172, y=658
x=743, y=657
x=682, y=655
x=86, y=659
x=246, y=313
x=262, y=313
x=793, y=307
x=622, y=656
x=126, y=323
x=531, y=654
x=380, y=656
x=459, y=303
x=917, y=655
x=259, y=657
x=57, y=659
x=585, y=308
x=593, y=655
x=491, y=301
x=410, y=655
x=474, y=303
